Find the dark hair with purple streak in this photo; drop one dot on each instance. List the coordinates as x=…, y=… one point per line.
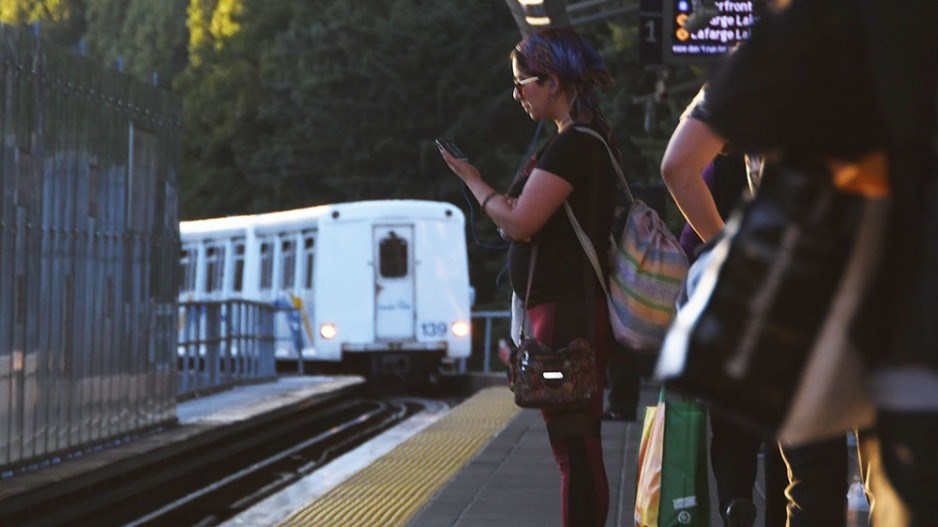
x=578, y=67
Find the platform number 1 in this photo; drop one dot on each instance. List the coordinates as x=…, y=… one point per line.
x=651, y=35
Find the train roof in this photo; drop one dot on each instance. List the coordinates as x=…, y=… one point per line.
x=301, y=218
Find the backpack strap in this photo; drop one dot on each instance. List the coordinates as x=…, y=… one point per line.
x=612, y=159
x=588, y=247
x=584, y=239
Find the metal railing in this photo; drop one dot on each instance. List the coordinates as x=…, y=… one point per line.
x=486, y=318
x=224, y=344
x=88, y=248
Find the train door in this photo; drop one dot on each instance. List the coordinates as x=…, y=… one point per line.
x=394, y=282
x=287, y=328
x=308, y=265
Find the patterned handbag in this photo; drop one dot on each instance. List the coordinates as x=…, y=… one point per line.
x=648, y=269
x=546, y=378
x=542, y=377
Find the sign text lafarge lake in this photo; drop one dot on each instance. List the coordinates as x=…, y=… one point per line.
x=732, y=24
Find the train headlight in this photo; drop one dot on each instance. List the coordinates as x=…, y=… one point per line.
x=460, y=329
x=328, y=331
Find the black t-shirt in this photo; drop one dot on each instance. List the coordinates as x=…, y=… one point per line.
x=799, y=88
x=561, y=267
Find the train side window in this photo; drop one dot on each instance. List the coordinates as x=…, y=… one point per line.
x=238, y=278
x=214, y=268
x=309, y=253
x=392, y=252
x=184, y=256
x=267, y=266
x=188, y=259
x=288, y=253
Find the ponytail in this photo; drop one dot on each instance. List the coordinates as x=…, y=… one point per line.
x=585, y=109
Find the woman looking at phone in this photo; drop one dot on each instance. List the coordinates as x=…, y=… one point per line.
x=555, y=73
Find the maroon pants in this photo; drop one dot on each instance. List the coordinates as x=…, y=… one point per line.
x=574, y=435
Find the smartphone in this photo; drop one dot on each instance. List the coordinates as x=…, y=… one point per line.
x=451, y=147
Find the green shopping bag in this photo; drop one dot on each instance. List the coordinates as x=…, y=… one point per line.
x=672, y=483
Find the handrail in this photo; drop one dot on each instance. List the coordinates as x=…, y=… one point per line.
x=223, y=344
x=230, y=342
x=488, y=316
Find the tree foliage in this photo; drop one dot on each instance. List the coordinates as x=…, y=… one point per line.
x=318, y=102
x=147, y=37
x=61, y=21
x=325, y=101
x=302, y=102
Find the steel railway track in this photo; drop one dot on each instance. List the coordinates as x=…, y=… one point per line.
x=215, y=478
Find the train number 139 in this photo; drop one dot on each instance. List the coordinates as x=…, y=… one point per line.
x=433, y=329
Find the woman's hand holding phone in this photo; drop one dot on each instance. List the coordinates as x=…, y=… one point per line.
x=457, y=160
x=453, y=150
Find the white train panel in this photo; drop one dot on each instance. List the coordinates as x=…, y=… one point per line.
x=371, y=277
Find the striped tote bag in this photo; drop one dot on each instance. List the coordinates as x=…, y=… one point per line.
x=648, y=270
x=647, y=273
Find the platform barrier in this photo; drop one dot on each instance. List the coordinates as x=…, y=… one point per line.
x=224, y=344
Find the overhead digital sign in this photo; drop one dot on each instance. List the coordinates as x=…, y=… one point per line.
x=670, y=31
x=730, y=22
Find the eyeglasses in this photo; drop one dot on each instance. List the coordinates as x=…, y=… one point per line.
x=519, y=84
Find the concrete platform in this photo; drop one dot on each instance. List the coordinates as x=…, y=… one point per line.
x=486, y=463
x=515, y=482
x=245, y=402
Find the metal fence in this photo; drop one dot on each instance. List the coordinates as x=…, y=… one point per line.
x=223, y=344
x=490, y=335
x=88, y=250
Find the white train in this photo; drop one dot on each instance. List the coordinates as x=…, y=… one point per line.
x=381, y=284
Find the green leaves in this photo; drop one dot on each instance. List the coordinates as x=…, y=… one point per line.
x=297, y=103
x=149, y=37
x=340, y=101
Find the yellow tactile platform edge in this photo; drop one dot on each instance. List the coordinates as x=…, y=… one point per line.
x=394, y=488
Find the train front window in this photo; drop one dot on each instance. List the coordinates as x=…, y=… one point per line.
x=392, y=251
